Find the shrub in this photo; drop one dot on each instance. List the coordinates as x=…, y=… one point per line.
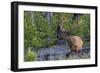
x=30, y=55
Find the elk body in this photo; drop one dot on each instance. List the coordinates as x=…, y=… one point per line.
x=75, y=42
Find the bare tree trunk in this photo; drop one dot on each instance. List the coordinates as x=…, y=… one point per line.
x=32, y=17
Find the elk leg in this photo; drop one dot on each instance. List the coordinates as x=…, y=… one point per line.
x=68, y=54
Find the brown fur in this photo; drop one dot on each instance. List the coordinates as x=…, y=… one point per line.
x=75, y=43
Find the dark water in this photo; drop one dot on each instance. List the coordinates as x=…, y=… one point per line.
x=61, y=51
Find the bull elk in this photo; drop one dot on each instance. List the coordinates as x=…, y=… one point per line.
x=75, y=42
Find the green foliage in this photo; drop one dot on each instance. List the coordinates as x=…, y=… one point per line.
x=38, y=33
x=30, y=55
